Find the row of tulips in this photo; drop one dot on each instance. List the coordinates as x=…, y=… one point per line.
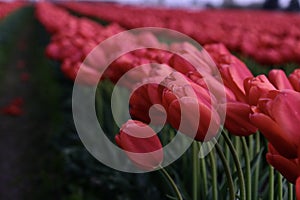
x=73, y=38
x=268, y=104
x=244, y=31
x=7, y=7
x=271, y=105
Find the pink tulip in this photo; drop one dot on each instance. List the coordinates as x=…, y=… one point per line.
x=295, y=79
x=189, y=108
x=141, y=144
x=277, y=116
x=279, y=79
x=237, y=119
x=144, y=98
x=256, y=88
x=289, y=168
x=233, y=71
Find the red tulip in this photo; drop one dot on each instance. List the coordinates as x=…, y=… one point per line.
x=199, y=68
x=289, y=168
x=233, y=71
x=141, y=144
x=279, y=79
x=295, y=79
x=14, y=108
x=148, y=96
x=237, y=119
x=277, y=116
x=256, y=88
x=189, y=108
x=144, y=98
x=199, y=61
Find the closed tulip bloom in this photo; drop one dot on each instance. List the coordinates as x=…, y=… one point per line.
x=87, y=75
x=295, y=79
x=289, y=168
x=237, y=119
x=144, y=98
x=188, y=108
x=256, y=88
x=217, y=51
x=277, y=116
x=141, y=144
x=190, y=59
x=233, y=71
x=279, y=79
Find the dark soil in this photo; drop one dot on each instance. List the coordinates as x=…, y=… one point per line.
x=26, y=157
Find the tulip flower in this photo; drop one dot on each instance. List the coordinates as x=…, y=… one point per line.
x=237, y=119
x=198, y=61
x=279, y=79
x=141, y=144
x=277, y=116
x=144, y=98
x=200, y=69
x=14, y=108
x=289, y=168
x=233, y=71
x=256, y=88
x=189, y=108
x=295, y=79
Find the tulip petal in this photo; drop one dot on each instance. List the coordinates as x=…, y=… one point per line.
x=285, y=110
x=141, y=144
x=279, y=79
x=288, y=168
x=237, y=119
x=274, y=134
x=294, y=78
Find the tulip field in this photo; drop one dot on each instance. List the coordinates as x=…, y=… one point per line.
x=108, y=101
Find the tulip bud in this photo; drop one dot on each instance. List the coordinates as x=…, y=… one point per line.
x=279, y=79
x=233, y=71
x=294, y=78
x=256, y=88
x=237, y=119
x=141, y=144
x=189, y=108
x=277, y=116
x=289, y=168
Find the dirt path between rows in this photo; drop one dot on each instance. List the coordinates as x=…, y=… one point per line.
x=23, y=138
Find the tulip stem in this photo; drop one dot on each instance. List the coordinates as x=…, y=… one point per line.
x=248, y=168
x=195, y=170
x=214, y=175
x=271, y=183
x=257, y=168
x=237, y=164
x=279, y=177
x=227, y=171
x=171, y=181
x=291, y=191
x=251, y=152
x=203, y=172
